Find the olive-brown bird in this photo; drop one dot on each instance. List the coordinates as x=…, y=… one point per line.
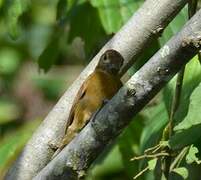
x=101, y=85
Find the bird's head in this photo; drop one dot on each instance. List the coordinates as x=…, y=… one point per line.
x=111, y=61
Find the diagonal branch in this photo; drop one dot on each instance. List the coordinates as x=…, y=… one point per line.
x=76, y=158
x=145, y=25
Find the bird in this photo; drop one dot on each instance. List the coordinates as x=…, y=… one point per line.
x=99, y=87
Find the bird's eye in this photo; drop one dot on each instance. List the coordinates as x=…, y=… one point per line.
x=105, y=57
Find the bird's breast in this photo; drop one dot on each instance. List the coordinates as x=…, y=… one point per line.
x=102, y=86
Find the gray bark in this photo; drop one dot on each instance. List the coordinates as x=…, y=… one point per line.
x=76, y=158
x=145, y=25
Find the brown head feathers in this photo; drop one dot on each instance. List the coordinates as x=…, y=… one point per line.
x=111, y=61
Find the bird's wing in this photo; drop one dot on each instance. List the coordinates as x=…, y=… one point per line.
x=81, y=93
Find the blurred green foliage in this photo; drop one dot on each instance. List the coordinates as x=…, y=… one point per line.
x=11, y=145
x=58, y=37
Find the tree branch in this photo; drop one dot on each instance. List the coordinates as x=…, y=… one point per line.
x=76, y=158
x=145, y=25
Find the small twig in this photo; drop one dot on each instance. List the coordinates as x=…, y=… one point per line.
x=152, y=149
x=176, y=99
x=141, y=172
x=150, y=156
x=179, y=158
x=174, y=107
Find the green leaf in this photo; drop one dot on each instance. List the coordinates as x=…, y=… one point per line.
x=156, y=117
x=163, y=177
x=128, y=144
x=114, y=14
x=174, y=26
x=8, y=112
x=192, y=78
x=147, y=54
x=107, y=164
x=1, y=3
x=152, y=164
x=10, y=60
x=168, y=91
x=185, y=137
x=13, y=143
x=191, y=156
x=62, y=9
x=88, y=27
x=50, y=53
x=51, y=87
x=188, y=131
x=194, y=110
x=182, y=171
x=14, y=10
x=65, y=9
x=71, y=3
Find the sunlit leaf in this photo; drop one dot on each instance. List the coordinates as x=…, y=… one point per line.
x=188, y=131
x=71, y=3
x=1, y=3
x=185, y=137
x=191, y=80
x=182, y=171
x=191, y=156
x=163, y=177
x=194, y=110
x=152, y=164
